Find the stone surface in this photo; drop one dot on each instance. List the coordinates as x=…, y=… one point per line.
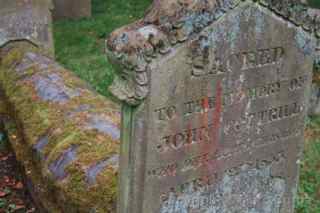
x=66, y=136
x=72, y=9
x=27, y=20
x=216, y=93
x=314, y=107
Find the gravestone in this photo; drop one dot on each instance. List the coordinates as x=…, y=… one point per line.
x=216, y=93
x=27, y=20
x=72, y=9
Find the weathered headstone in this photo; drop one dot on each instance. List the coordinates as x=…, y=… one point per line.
x=27, y=20
x=216, y=95
x=72, y=9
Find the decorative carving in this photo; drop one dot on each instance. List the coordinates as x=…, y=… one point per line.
x=171, y=22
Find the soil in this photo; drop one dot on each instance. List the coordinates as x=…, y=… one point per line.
x=14, y=196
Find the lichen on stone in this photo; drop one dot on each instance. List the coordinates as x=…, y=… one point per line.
x=61, y=130
x=169, y=23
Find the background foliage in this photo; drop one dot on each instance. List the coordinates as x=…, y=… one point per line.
x=314, y=3
x=80, y=44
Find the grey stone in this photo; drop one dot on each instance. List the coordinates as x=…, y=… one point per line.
x=72, y=9
x=27, y=20
x=103, y=126
x=94, y=170
x=57, y=168
x=42, y=143
x=219, y=127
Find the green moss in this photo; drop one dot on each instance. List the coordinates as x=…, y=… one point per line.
x=35, y=118
x=102, y=195
x=31, y=168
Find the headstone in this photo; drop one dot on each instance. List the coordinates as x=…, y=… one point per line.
x=27, y=20
x=216, y=93
x=71, y=9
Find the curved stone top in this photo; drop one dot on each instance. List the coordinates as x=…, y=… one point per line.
x=26, y=20
x=170, y=22
x=71, y=134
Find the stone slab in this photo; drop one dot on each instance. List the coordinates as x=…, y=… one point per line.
x=71, y=9
x=215, y=106
x=65, y=136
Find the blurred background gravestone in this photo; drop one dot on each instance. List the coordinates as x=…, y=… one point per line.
x=30, y=20
x=71, y=9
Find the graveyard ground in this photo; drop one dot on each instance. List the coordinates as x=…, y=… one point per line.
x=80, y=47
x=80, y=44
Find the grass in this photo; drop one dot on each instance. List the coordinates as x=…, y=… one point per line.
x=80, y=44
x=315, y=3
x=80, y=47
x=308, y=200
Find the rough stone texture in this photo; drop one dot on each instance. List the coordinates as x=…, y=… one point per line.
x=171, y=22
x=216, y=95
x=314, y=108
x=72, y=9
x=27, y=20
x=65, y=135
x=231, y=194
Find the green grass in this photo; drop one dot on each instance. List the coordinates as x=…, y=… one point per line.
x=80, y=44
x=80, y=47
x=315, y=3
x=309, y=189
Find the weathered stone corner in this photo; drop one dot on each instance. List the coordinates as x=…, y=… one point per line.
x=65, y=135
x=170, y=23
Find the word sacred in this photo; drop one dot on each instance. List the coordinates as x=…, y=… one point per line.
x=244, y=60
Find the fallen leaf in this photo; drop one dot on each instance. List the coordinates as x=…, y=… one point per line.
x=2, y=194
x=20, y=207
x=6, y=179
x=7, y=191
x=18, y=185
x=4, y=158
x=18, y=201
